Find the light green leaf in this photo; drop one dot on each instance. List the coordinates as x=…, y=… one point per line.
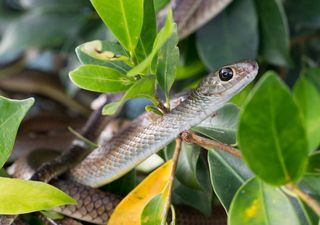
x=257, y=203
x=100, y=79
x=104, y=53
x=274, y=32
x=271, y=132
x=21, y=196
x=224, y=40
x=227, y=174
x=11, y=115
x=143, y=88
x=222, y=126
x=152, y=212
x=148, y=33
x=167, y=61
x=308, y=100
x=124, y=18
x=160, y=40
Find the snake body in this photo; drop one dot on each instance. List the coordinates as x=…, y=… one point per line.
x=114, y=158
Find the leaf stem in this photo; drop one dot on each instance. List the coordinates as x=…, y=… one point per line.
x=312, y=203
x=191, y=137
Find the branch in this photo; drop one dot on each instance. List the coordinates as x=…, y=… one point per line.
x=313, y=204
x=191, y=137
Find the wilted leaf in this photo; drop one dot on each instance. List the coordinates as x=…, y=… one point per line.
x=160, y=40
x=271, y=132
x=130, y=209
x=103, y=53
x=20, y=196
x=257, y=203
x=143, y=88
x=216, y=40
x=124, y=18
x=11, y=115
x=308, y=99
x=100, y=79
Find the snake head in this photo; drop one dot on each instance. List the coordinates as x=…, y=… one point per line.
x=229, y=80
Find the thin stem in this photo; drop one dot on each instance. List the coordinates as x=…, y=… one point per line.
x=191, y=137
x=312, y=203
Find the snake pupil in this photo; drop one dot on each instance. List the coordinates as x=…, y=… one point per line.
x=225, y=74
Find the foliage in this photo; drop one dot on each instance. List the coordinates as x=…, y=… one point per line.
x=276, y=129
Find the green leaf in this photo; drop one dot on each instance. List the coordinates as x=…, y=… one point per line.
x=186, y=171
x=257, y=203
x=103, y=53
x=11, y=115
x=308, y=100
x=143, y=88
x=148, y=33
x=160, y=40
x=99, y=79
x=227, y=174
x=160, y=4
x=21, y=196
x=240, y=98
x=222, y=126
x=271, y=132
x=223, y=39
x=313, y=75
x=311, y=184
x=124, y=18
x=42, y=27
x=167, y=61
x=152, y=212
x=314, y=164
x=274, y=32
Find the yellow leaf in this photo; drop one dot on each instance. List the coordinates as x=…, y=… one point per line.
x=129, y=210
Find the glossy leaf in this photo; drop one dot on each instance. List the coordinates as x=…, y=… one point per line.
x=130, y=209
x=314, y=164
x=222, y=126
x=160, y=40
x=148, y=33
x=60, y=25
x=11, y=115
x=167, y=61
x=227, y=174
x=274, y=32
x=271, y=132
x=124, y=18
x=216, y=42
x=103, y=53
x=257, y=203
x=144, y=88
x=100, y=79
x=152, y=212
x=186, y=171
x=20, y=196
x=308, y=99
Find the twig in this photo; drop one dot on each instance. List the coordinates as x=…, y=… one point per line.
x=313, y=204
x=191, y=137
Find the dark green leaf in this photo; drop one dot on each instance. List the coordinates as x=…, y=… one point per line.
x=222, y=126
x=143, y=88
x=100, y=79
x=314, y=164
x=257, y=203
x=227, y=174
x=271, y=132
x=97, y=52
x=148, y=33
x=167, y=61
x=231, y=36
x=308, y=99
x=313, y=75
x=160, y=4
x=152, y=212
x=11, y=115
x=124, y=18
x=21, y=196
x=160, y=40
x=45, y=27
x=274, y=32
x=186, y=171
x=311, y=184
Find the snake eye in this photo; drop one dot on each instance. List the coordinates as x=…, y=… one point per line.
x=225, y=74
